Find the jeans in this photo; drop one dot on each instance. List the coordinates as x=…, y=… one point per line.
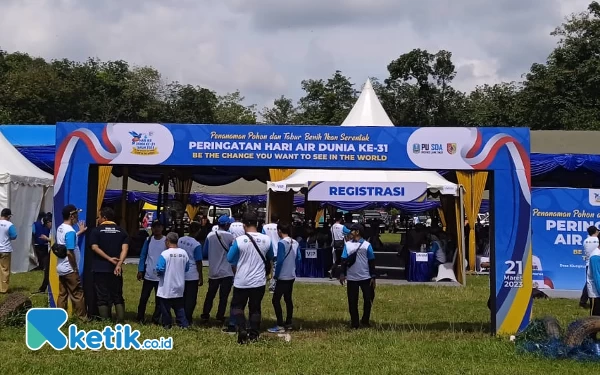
x=177, y=305
x=223, y=286
x=147, y=288
x=253, y=298
x=283, y=288
x=368, y=296
x=190, y=297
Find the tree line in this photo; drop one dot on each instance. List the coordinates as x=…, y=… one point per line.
x=562, y=93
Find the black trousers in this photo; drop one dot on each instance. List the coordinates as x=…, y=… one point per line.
x=44, y=262
x=253, y=298
x=368, y=296
x=595, y=307
x=109, y=289
x=584, y=295
x=190, y=297
x=147, y=288
x=283, y=288
x=223, y=286
x=177, y=305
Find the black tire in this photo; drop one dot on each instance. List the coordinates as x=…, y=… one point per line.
x=553, y=329
x=14, y=304
x=582, y=329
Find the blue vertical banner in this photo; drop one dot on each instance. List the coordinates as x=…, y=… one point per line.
x=560, y=219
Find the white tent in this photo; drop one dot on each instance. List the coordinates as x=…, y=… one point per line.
x=367, y=110
x=22, y=189
x=300, y=179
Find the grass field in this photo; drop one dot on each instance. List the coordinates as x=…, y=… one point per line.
x=417, y=330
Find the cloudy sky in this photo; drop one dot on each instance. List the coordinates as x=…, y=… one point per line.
x=265, y=48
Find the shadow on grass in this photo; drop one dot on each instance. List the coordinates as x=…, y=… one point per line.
x=332, y=324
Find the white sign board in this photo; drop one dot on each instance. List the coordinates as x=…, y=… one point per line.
x=366, y=191
x=310, y=254
x=421, y=257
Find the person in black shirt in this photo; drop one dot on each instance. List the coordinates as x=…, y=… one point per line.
x=110, y=245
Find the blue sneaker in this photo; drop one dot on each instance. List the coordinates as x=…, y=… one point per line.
x=276, y=329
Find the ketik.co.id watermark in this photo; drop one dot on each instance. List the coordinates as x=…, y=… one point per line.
x=43, y=325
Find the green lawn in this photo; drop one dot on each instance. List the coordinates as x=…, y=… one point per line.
x=390, y=238
x=418, y=330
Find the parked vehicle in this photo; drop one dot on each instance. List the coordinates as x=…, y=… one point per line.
x=371, y=217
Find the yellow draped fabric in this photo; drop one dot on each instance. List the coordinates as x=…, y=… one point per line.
x=320, y=214
x=474, y=185
x=104, y=172
x=460, y=257
x=280, y=174
x=442, y=218
x=192, y=211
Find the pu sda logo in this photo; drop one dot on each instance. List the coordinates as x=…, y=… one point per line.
x=142, y=144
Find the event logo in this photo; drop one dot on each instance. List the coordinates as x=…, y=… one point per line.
x=431, y=148
x=451, y=148
x=142, y=144
x=594, y=197
x=43, y=326
x=416, y=148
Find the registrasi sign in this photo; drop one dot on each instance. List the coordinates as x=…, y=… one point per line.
x=367, y=191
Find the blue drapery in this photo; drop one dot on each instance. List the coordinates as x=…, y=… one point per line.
x=219, y=200
x=545, y=163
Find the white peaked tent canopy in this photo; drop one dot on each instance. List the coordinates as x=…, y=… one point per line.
x=367, y=110
x=300, y=179
x=22, y=189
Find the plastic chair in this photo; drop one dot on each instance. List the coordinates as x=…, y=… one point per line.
x=446, y=270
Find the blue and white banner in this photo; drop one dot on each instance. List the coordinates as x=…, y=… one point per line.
x=560, y=218
x=367, y=191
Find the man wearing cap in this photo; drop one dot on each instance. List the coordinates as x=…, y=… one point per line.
x=220, y=273
x=69, y=283
x=251, y=254
x=110, y=245
x=358, y=267
x=193, y=276
x=149, y=255
x=8, y=233
x=590, y=244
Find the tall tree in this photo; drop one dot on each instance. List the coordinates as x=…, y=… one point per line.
x=231, y=110
x=494, y=105
x=188, y=104
x=418, y=90
x=283, y=112
x=326, y=102
x=564, y=93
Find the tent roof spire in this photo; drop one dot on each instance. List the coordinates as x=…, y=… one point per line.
x=367, y=110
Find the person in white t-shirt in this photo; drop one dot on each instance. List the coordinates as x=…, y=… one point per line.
x=590, y=244
x=337, y=243
x=153, y=247
x=251, y=254
x=8, y=233
x=358, y=267
x=288, y=253
x=271, y=231
x=171, y=267
x=237, y=228
x=69, y=283
x=193, y=277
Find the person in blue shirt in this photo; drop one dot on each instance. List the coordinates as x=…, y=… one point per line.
x=358, y=268
x=288, y=254
x=41, y=242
